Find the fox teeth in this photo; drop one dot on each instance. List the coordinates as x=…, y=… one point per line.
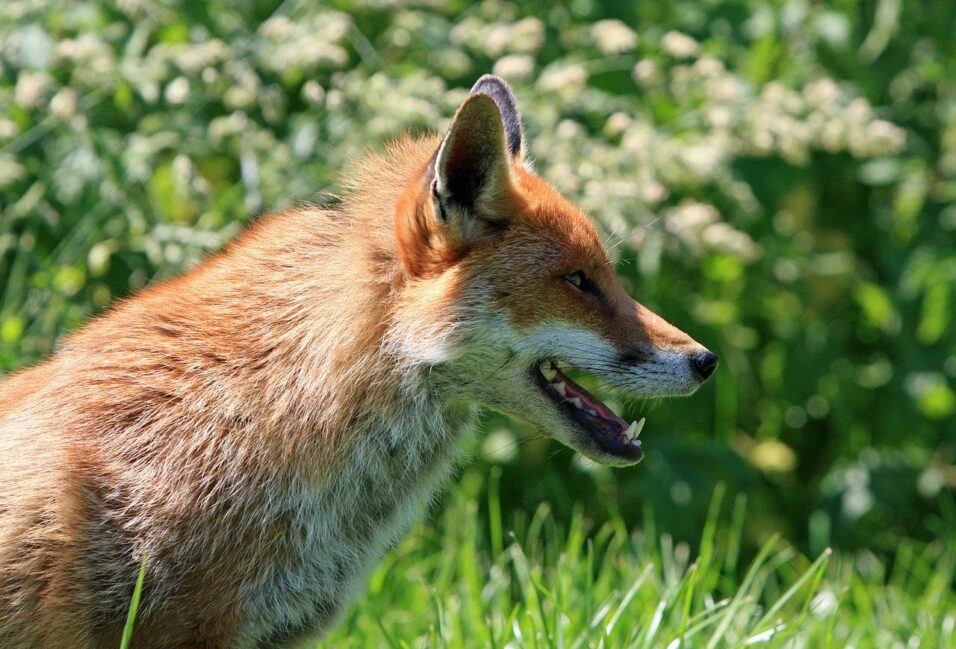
x=634, y=430
x=576, y=403
x=560, y=388
x=629, y=433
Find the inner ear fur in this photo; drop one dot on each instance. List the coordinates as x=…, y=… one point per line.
x=471, y=168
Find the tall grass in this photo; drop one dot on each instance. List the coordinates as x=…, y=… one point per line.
x=470, y=580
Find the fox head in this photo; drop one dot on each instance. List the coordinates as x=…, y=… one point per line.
x=525, y=289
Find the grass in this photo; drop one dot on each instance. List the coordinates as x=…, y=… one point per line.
x=469, y=580
x=133, y=606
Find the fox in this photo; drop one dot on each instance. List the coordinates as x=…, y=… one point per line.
x=260, y=430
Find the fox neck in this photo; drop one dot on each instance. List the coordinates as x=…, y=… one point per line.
x=368, y=391
x=363, y=346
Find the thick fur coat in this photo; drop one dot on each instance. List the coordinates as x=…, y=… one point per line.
x=262, y=428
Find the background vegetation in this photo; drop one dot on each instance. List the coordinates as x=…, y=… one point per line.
x=778, y=178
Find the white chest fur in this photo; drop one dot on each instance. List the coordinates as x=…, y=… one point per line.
x=335, y=533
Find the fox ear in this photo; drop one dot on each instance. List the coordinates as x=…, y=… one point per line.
x=501, y=94
x=469, y=193
x=472, y=164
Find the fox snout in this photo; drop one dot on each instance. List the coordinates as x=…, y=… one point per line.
x=660, y=338
x=652, y=346
x=705, y=364
x=702, y=361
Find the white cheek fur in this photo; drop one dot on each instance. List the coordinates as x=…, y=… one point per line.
x=577, y=346
x=666, y=372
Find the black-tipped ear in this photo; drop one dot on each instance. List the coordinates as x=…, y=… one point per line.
x=471, y=167
x=500, y=93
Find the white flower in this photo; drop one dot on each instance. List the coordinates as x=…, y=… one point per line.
x=11, y=171
x=568, y=129
x=690, y=216
x=195, y=57
x=8, y=128
x=859, y=110
x=232, y=124
x=719, y=117
x=645, y=72
x=527, y=35
x=495, y=39
x=613, y=36
x=177, y=91
x=708, y=66
x=617, y=123
x=884, y=137
x=652, y=192
x=312, y=92
x=702, y=159
x=722, y=236
x=680, y=46
x=568, y=80
x=515, y=67
x=833, y=135
x=63, y=104
x=278, y=28
x=822, y=94
x=32, y=88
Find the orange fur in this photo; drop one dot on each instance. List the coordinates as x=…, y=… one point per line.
x=264, y=426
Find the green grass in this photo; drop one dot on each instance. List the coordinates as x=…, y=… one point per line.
x=126, y=640
x=468, y=580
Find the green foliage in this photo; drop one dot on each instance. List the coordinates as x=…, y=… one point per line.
x=779, y=179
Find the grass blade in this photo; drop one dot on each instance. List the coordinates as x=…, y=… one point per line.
x=133, y=606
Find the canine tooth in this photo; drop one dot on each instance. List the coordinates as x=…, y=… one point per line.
x=591, y=411
x=560, y=388
x=638, y=427
x=576, y=403
x=629, y=433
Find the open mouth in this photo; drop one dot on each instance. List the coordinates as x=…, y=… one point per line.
x=607, y=432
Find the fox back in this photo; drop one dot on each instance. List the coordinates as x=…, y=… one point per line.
x=262, y=428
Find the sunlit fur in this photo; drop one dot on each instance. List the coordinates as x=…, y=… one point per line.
x=265, y=426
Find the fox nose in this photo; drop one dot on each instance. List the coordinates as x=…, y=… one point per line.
x=705, y=363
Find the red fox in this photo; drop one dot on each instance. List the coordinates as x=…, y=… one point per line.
x=263, y=427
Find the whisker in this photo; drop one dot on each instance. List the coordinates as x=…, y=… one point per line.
x=521, y=438
x=560, y=448
x=645, y=226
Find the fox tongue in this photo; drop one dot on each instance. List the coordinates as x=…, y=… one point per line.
x=589, y=401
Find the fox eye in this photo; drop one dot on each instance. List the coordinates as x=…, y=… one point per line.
x=582, y=282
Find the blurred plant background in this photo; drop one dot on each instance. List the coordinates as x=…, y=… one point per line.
x=778, y=178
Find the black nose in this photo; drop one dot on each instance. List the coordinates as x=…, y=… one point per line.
x=705, y=363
